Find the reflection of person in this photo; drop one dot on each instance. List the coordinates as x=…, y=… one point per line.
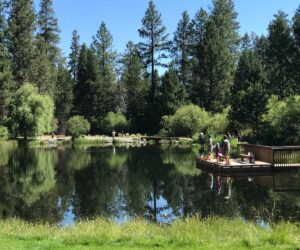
x=211, y=181
x=218, y=184
x=229, y=185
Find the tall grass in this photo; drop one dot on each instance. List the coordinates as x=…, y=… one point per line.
x=191, y=233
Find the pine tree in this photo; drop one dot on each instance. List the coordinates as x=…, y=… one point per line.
x=48, y=29
x=181, y=49
x=280, y=56
x=43, y=72
x=197, y=89
x=86, y=94
x=171, y=92
x=7, y=85
x=155, y=45
x=249, y=93
x=21, y=28
x=296, y=61
x=220, y=44
x=63, y=98
x=106, y=56
x=136, y=88
x=74, y=55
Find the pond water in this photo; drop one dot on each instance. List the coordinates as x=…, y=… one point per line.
x=160, y=183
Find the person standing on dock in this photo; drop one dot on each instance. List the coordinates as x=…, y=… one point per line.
x=226, y=149
x=209, y=148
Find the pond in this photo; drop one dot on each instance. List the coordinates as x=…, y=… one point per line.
x=160, y=183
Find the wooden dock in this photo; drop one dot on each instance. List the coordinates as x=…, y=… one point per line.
x=267, y=158
x=236, y=166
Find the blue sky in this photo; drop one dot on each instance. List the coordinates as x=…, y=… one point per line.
x=123, y=17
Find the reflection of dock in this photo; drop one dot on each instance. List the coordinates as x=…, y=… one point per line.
x=267, y=158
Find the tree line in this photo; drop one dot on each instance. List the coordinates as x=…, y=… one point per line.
x=206, y=63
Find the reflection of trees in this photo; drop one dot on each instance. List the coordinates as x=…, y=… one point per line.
x=96, y=187
x=28, y=183
x=32, y=173
x=6, y=149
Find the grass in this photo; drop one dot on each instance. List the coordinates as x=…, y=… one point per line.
x=212, y=233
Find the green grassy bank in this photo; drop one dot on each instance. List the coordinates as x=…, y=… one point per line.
x=214, y=233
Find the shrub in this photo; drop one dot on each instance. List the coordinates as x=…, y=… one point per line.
x=282, y=121
x=219, y=123
x=187, y=120
x=114, y=121
x=77, y=126
x=3, y=133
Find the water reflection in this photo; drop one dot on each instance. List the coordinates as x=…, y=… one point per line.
x=61, y=185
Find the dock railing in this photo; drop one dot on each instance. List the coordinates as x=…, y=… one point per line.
x=278, y=156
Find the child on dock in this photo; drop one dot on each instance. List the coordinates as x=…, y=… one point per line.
x=218, y=152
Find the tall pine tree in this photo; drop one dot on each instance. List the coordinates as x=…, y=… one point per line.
x=155, y=44
x=74, y=55
x=21, y=28
x=7, y=85
x=181, y=49
x=296, y=61
x=136, y=88
x=48, y=29
x=221, y=42
x=63, y=97
x=103, y=47
x=171, y=92
x=280, y=57
x=249, y=94
x=197, y=89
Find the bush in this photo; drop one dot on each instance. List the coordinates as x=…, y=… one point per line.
x=219, y=123
x=3, y=133
x=77, y=126
x=114, y=121
x=187, y=120
x=282, y=121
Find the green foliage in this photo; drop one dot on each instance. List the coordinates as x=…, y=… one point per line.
x=32, y=113
x=187, y=120
x=282, y=121
x=4, y=134
x=114, y=121
x=219, y=123
x=77, y=126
